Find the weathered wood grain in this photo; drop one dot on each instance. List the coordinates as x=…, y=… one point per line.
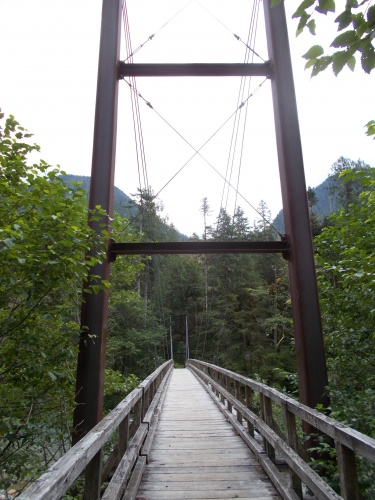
x=117, y=485
x=132, y=488
x=58, y=478
x=196, y=453
x=249, y=494
x=308, y=476
x=352, y=439
x=199, y=461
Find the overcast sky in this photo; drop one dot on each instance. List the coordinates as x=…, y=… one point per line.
x=48, y=64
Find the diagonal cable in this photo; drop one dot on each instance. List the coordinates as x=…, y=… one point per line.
x=156, y=32
x=197, y=151
x=230, y=31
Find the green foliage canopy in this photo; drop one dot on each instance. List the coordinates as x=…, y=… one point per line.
x=356, y=28
x=44, y=237
x=346, y=264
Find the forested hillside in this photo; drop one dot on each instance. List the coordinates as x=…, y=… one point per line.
x=122, y=203
x=235, y=308
x=331, y=195
x=128, y=207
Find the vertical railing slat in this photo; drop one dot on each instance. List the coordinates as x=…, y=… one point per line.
x=348, y=472
x=249, y=403
x=238, y=396
x=292, y=437
x=123, y=437
x=266, y=411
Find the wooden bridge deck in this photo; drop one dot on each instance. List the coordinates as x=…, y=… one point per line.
x=196, y=453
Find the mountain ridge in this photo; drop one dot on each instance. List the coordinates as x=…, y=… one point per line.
x=122, y=203
x=326, y=204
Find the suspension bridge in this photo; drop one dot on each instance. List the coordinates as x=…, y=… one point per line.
x=204, y=432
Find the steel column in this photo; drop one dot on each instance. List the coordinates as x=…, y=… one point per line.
x=91, y=358
x=310, y=355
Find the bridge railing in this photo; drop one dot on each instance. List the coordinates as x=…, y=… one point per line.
x=134, y=421
x=235, y=395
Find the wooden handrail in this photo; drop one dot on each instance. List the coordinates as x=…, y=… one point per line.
x=348, y=441
x=58, y=478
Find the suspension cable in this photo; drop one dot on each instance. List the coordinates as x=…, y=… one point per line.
x=244, y=88
x=251, y=38
x=151, y=37
x=197, y=151
x=137, y=123
x=230, y=31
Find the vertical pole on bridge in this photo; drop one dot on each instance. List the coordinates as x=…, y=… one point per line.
x=91, y=357
x=187, y=350
x=170, y=336
x=311, y=365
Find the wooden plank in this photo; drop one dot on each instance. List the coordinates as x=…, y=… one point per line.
x=186, y=434
x=308, y=476
x=92, y=481
x=249, y=494
x=146, y=448
x=58, y=478
x=54, y=483
x=196, y=444
x=348, y=473
x=201, y=485
x=202, y=475
x=116, y=486
x=196, y=453
x=157, y=398
x=351, y=438
x=192, y=454
x=200, y=462
x=270, y=468
x=195, y=418
x=292, y=437
x=174, y=469
x=135, y=479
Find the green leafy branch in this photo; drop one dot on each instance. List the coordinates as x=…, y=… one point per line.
x=357, y=26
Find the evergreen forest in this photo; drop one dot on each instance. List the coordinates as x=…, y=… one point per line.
x=234, y=309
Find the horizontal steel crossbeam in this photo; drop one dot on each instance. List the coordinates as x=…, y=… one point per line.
x=197, y=247
x=193, y=69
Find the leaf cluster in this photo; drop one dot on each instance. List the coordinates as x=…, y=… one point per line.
x=356, y=27
x=345, y=263
x=48, y=250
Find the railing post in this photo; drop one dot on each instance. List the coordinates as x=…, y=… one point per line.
x=123, y=437
x=348, y=472
x=145, y=401
x=137, y=412
x=218, y=380
x=228, y=388
x=93, y=474
x=238, y=396
x=249, y=404
x=218, y=383
x=266, y=412
x=291, y=432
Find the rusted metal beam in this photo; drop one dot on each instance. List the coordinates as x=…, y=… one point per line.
x=311, y=365
x=192, y=69
x=91, y=358
x=198, y=247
